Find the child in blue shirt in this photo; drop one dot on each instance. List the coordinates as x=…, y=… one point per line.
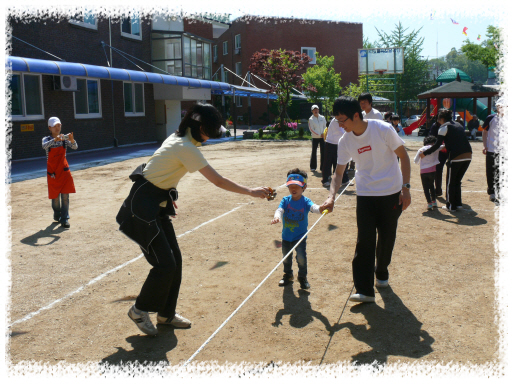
x=293, y=212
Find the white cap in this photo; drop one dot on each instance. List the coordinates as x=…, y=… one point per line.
x=314, y=106
x=52, y=121
x=222, y=128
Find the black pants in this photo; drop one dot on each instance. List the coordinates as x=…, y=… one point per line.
x=454, y=175
x=443, y=156
x=331, y=162
x=315, y=144
x=427, y=180
x=492, y=171
x=162, y=286
x=375, y=215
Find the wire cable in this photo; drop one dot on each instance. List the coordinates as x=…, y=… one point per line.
x=33, y=46
x=259, y=285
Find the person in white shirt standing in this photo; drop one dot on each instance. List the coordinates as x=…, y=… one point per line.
x=490, y=137
x=428, y=170
x=369, y=113
x=316, y=124
x=334, y=134
x=382, y=192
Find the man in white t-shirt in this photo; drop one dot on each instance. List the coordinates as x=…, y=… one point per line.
x=366, y=103
x=316, y=125
x=382, y=192
x=491, y=141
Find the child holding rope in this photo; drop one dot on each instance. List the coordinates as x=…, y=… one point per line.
x=293, y=212
x=428, y=170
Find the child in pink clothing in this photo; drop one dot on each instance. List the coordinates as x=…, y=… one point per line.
x=428, y=170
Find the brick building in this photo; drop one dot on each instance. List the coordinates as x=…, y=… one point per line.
x=247, y=35
x=109, y=97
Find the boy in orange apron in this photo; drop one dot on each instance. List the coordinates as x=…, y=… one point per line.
x=60, y=181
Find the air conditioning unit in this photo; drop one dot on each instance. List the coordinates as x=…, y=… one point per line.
x=238, y=51
x=65, y=83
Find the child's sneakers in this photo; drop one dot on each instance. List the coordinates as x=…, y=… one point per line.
x=304, y=282
x=285, y=280
x=434, y=204
x=429, y=206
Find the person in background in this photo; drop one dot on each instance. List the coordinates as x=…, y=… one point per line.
x=317, y=125
x=366, y=102
x=387, y=117
x=60, y=181
x=395, y=122
x=491, y=140
x=459, y=158
x=428, y=170
x=334, y=133
x=473, y=125
x=443, y=156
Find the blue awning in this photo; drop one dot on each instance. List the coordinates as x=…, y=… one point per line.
x=257, y=93
x=48, y=67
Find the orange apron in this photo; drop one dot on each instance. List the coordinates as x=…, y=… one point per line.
x=58, y=173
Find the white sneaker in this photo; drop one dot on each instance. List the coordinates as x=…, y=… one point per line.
x=327, y=184
x=142, y=320
x=448, y=209
x=360, y=298
x=177, y=321
x=382, y=283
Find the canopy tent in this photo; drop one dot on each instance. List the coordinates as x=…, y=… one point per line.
x=57, y=68
x=459, y=89
x=451, y=75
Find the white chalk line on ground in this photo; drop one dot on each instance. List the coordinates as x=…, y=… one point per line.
x=421, y=190
x=259, y=285
x=96, y=279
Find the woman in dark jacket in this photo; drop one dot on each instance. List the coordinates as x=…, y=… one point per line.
x=144, y=215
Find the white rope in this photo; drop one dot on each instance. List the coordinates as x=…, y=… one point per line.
x=255, y=289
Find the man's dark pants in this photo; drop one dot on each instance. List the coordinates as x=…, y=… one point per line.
x=331, y=162
x=492, y=171
x=454, y=174
x=317, y=143
x=376, y=215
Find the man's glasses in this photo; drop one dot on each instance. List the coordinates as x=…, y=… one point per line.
x=342, y=121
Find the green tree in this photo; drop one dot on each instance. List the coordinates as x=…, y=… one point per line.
x=415, y=79
x=281, y=68
x=354, y=90
x=487, y=52
x=325, y=80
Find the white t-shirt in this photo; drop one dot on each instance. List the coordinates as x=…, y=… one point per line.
x=429, y=160
x=334, y=132
x=373, y=115
x=377, y=170
x=493, y=139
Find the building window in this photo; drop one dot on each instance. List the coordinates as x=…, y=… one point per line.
x=87, y=99
x=215, y=56
x=197, y=58
x=225, y=48
x=238, y=100
x=133, y=99
x=238, y=69
x=238, y=41
x=86, y=19
x=27, y=97
x=166, y=53
x=130, y=27
x=310, y=52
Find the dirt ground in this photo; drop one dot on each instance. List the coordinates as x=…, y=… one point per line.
x=439, y=308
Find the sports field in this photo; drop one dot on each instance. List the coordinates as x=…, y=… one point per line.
x=67, y=305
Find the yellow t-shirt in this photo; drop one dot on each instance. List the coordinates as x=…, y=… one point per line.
x=176, y=157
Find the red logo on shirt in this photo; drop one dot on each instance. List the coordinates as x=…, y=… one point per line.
x=364, y=149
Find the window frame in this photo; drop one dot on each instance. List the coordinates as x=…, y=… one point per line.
x=88, y=115
x=313, y=61
x=23, y=99
x=224, y=48
x=238, y=46
x=215, y=53
x=134, y=114
x=131, y=35
x=83, y=23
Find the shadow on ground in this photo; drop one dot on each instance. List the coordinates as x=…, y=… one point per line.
x=391, y=331
x=50, y=232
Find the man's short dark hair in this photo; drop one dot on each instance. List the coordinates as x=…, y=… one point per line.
x=444, y=114
x=347, y=106
x=365, y=96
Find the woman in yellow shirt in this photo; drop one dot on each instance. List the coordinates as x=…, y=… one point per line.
x=144, y=215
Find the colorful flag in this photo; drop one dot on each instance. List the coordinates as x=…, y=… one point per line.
x=464, y=31
x=479, y=37
x=453, y=21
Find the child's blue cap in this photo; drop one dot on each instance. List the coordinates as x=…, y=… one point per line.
x=296, y=179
